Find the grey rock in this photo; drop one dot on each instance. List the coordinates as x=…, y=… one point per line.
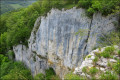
x=102, y=64
x=112, y=60
x=53, y=43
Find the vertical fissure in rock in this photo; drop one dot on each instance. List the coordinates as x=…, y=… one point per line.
x=88, y=36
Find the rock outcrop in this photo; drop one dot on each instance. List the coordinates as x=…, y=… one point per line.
x=53, y=42
x=102, y=64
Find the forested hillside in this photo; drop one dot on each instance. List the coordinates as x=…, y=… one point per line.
x=16, y=26
x=10, y=5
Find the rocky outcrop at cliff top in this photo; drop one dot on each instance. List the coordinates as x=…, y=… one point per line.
x=53, y=42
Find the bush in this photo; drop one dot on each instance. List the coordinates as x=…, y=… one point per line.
x=3, y=59
x=13, y=70
x=104, y=6
x=116, y=67
x=109, y=64
x=93, y=71
x=18, y=73
x=111, y=38
x=71, y=76
x=119, y=53
x=49, y=73
x=107, y=52
x=55, y=77
x=96, y=59
x=108, y=76
x=84, y=69
x=6, y=68
x=98, y=54
x=39, y=77
x=84, y=3
x=89, y=56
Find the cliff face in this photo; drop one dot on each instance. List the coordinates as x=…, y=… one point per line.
x=53, y=42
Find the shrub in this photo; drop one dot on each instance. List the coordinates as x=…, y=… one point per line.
x=98, y=54
x=13, y=70
x=18, y=73
x=116, y=67
x=89, y=56
x=109, y=64
x=5, y=68
x=93, y=78
x=84, y=3
x=99, y=48
x=71, y=76
x=111, y=38
x=96, y=59
x=55, y=77
x=3, y=59
x=107, y=52
x=108, y=76
x=110, y=49
x=39, y=77
x=84, y=69
x=119, y=53
x=49, y=73
x=93, y=70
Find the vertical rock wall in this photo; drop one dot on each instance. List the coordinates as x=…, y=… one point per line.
x=53, y=42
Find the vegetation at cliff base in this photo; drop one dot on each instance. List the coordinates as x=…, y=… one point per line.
x=13, y=70
x=18, y=71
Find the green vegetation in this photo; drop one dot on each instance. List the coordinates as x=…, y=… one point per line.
x=49, y=75
x=10, y=5
x=108, y=76
x=39, y=77
x=16, y=6
x=116, y=67
x=98, y=54
x=71, y=76
x=17, y=71
x=89, y=56
x=119, y=52
x=95, y=60
x=104, y=6
x=112, y=38
x=13, y=70
x=93, y=71
x=107, y=52
x=84, y=69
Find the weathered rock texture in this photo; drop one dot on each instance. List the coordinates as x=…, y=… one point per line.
x=53, y=42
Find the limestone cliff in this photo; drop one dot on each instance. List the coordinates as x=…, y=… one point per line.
x=53, y=42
